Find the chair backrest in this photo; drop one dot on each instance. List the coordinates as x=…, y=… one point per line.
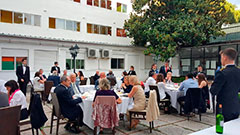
x=56, y=106
x=112, y=81
x=92, y=82
x=47, y=88
x=152, y=107
x=106, y=100
x=84, y=82
x=10, y=117
x=3, y=100
x=155, y=87
x=193, y=99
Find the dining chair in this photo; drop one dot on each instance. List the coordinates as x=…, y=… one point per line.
x=92, y=82
x=47, y=88
x=83, y=82
x=10, y=117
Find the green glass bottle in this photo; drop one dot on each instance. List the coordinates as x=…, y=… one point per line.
x=219, y=121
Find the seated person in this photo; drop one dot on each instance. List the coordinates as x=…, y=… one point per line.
x=185, y=85
x=74, y=88
x=104, y=87
x=203, y=84
x=169, y=78
x=80, y=75
x=124, y=73
x=102, y=75
x=126, y=86
x=38, y=84
x=111, y=78
x=150, y=81
x=42, y=76
x=69, y=106
x=55, y=78
x=96, y=76
x=16, y=97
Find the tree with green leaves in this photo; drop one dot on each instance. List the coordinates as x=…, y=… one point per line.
x=163, y=26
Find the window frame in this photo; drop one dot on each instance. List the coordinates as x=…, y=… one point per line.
x=118, y=66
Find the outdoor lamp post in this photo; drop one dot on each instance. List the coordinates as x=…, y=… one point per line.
x=74, y=50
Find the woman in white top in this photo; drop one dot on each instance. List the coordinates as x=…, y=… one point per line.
x=16, y=97
x=161, y=88
x=38, y=84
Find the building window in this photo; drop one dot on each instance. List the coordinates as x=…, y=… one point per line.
x=99, y=29
x=121, y=33
x=11, y=63
x=117, y=63
x=100, y=3
x=36, y=20
x=77, y=1
x=70, y=65
x=121, y=8
x=56, y=23
x=18, y=18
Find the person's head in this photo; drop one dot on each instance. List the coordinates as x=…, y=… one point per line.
x=126, y=80
x=24, y=61
x=55, y=72
x=228, y=56
x=199, y=68
x=132, y=68
x=110, y=72
x=97, y=72
x=133, y=80
x=167, y=63
x=124, y=73
x=153, y=75
x=37, y=74
x=102, y=75
x=154, y=66
x=65, y=72
x=201, y=77
x=41, y=71
x=11, y=86
x=169, y=75
x=104, y=84
x=65, y=80
x=189, y=76
x=160, y=78
x=56, y=63
x=73, y=77
x=80, y=73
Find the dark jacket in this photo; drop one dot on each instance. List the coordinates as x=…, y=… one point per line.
x=20, y=75
x=132, y=72
x=96, y=77
x=37, y=115
x=54, y=68
x=55, y=79
x=71, y=89
x=69, y=106
x=226, y=86
x=163, y=70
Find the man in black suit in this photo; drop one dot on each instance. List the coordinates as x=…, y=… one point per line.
x=68, y=105
x=55, y=67
x=165, y=69
x=131, y=71
x=226, y=85
x=96, y=76
x=199, y=71
x=23, y=74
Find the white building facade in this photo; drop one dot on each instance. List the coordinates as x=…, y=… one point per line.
x=43, y=31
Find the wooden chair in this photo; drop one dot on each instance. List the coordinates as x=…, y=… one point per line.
x=83, y=82
x=92, y=82
x=162, y=103
x=47, y=89
x=10, y=117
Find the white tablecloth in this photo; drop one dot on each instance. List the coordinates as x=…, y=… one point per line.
x=174, y=94
x=86, y=88
x=86, y=106
x=230, y=128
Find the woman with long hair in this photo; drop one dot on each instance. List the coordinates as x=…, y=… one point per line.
x=203, y=84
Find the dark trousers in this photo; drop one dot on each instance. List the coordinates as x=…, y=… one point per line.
x=77, y=115
x=181, y=99
x=24, y=114
x=23, y=87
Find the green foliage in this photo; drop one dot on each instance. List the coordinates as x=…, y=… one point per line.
x=165, y=26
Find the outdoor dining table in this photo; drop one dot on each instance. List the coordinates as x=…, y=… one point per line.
x=87, y=108
x=174, y=94
x=86, y=88
x=230, y=128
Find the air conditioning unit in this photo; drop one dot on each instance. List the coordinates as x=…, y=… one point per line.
x=92, y=53
x=106, y=54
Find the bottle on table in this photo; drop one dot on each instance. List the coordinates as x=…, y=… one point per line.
x=219, y=121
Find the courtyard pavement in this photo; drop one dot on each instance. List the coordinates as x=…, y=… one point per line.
x=167, y=124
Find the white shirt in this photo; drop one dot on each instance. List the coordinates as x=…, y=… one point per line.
x=24, y=69
x=19, y=99
x=2, y=87
x=150, y=81
x=37, y=85
x=161, y=89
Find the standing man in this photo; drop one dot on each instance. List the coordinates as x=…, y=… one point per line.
x=55, y=67
x=23, y=74
x=131, y=71
x=226, y=85
x=199, y=71
x=164, y=69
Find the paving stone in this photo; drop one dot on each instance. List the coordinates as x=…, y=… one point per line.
x=192, y=125
x=174, y=130
x=171, y=118
x=157, y=123
x=145, y=132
